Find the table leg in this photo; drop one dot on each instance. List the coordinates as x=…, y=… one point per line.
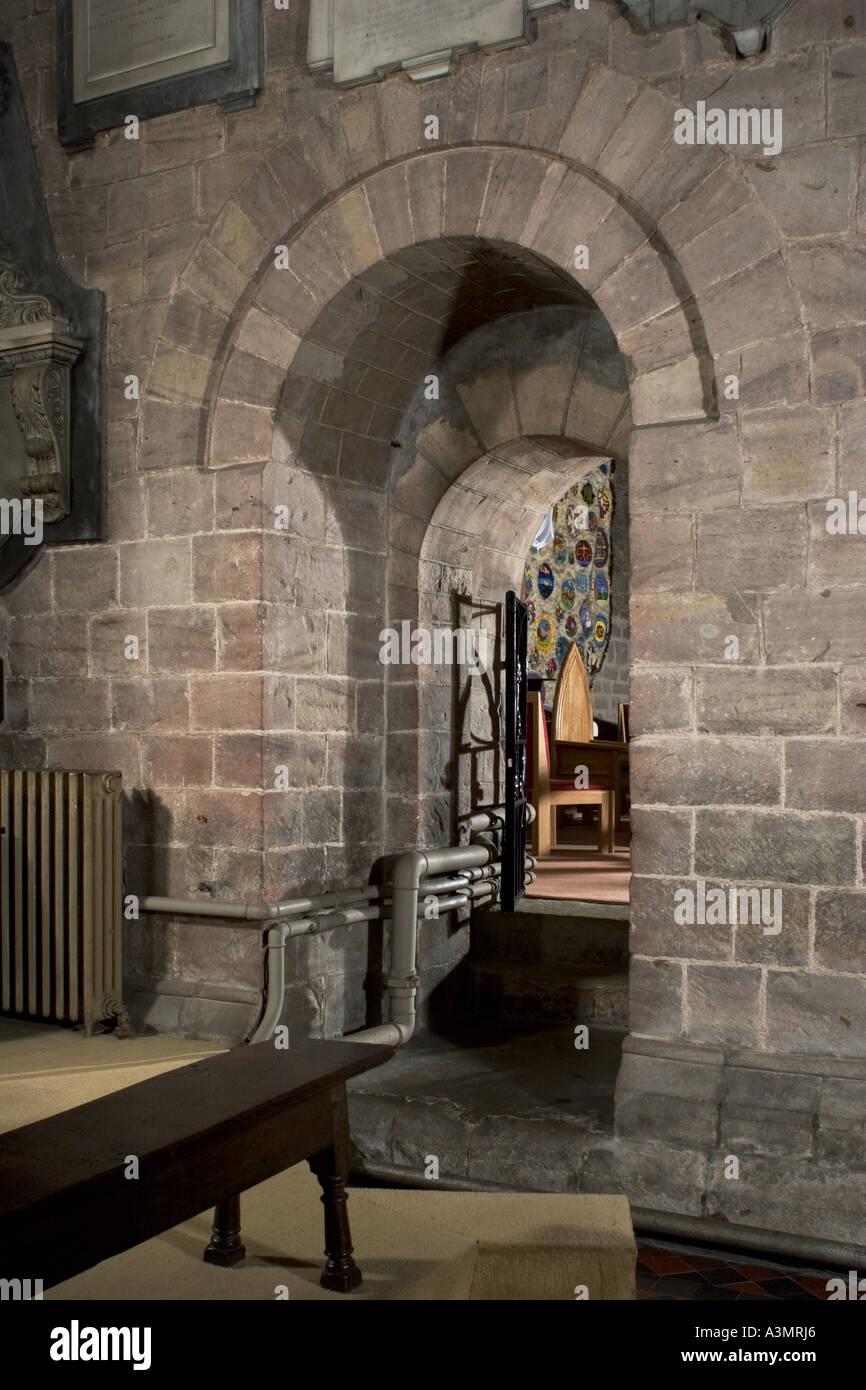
x=226, y=1247
x=607, y=824
x=340, y=1274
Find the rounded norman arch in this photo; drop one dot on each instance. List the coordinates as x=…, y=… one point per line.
x=358, y=182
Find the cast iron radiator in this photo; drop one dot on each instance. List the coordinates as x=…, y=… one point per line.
x=61, y=896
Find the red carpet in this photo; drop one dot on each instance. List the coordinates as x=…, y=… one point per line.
x=583, y=874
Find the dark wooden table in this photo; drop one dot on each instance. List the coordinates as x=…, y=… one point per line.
x=202, y=1135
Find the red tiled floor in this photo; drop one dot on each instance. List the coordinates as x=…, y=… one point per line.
x=668, y=1270
x=661, y=1262
x=812, y=1284
x=758, y=1271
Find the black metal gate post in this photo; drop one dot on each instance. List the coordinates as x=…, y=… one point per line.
x=514, y=839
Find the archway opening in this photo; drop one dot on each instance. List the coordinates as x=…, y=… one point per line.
x=439, y=407
x=535, y=515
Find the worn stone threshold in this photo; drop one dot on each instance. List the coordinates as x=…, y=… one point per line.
x=507, y=1105
x=574, y=907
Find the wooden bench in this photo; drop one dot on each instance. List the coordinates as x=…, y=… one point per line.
x=202, y=1135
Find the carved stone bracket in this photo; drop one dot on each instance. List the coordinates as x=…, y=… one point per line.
x=18, y=305
x=37, y=350
x=747, y=21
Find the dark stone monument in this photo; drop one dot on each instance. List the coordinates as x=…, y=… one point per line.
x=51, y=334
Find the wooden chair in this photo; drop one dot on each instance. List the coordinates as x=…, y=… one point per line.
x=571, y=733
x=623, y=723
x=572, y=701
x=549, y=792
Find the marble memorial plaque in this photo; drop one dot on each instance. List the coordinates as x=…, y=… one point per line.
x=119, y=44
x=363, y=39
x=320, y=36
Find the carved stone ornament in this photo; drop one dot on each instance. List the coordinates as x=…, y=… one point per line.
x=37, y=350
x=747, y=21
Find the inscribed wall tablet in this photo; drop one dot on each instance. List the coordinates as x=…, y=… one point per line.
x=118, y=44
x=363, y=39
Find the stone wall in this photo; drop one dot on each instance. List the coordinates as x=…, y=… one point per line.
x=707, y=263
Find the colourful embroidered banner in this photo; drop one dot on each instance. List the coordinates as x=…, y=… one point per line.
x=567, y=578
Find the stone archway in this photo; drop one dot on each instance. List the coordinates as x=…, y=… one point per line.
x=530, y=201
x=686, y=303
x=363, y=455
x=272, y=389
x=540, y=206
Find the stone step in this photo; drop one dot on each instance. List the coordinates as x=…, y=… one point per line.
x=589, y=934
x=534, y=990
x=500, y=1105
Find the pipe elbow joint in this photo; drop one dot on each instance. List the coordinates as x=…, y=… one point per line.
x=409, y=870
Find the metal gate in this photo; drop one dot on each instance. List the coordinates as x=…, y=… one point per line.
x=514, y=839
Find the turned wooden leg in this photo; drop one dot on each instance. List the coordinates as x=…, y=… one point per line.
x=340, y=1274
x=226, y=1247
x=606, y=824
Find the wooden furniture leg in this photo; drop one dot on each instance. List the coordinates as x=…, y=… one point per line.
x=331, y=1167
x=225, y=1247
x=204, y=1134
x=545, y=816
x=606, y=821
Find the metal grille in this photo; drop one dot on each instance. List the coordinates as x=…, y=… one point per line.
x=61, y=896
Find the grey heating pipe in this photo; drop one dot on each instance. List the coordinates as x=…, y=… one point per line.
x=259, y=912
x=458, y=876
x=408, y=873
x=275, y=944
x=444, y=884
x=403, y=980
x=281, y=932
x=297, y=907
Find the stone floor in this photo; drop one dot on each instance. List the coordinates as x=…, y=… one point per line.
x=508, y=1100
x=494, y=1104
x=515, y=1105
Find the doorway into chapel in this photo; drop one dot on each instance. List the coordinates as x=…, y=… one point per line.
x=575, y=596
